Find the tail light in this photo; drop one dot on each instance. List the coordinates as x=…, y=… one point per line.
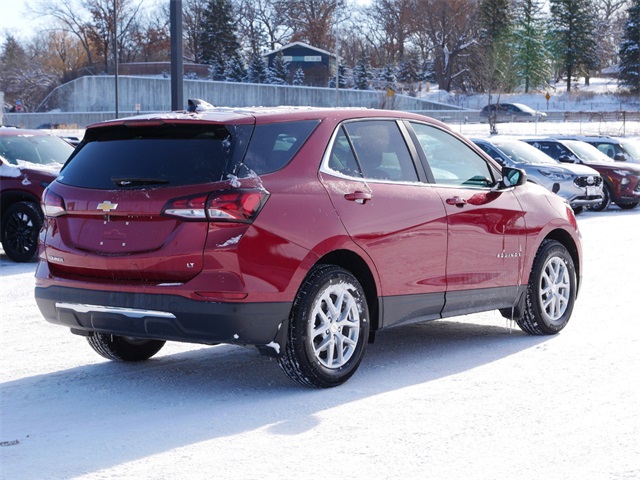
x=226, y=206
x=53, y=204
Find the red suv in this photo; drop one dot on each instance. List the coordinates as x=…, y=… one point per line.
x=29, y=161
x=299, y=231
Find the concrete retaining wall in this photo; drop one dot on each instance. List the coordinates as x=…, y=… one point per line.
x=97, y=94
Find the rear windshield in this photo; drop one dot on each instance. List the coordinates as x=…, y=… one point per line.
x=123, y=157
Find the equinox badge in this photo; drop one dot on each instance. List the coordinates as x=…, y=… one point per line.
x=107, y=206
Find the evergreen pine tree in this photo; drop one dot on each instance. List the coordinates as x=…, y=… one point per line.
x=362, y=74
x=278, y=72
x=408, y=74
x=572, y=29
x=343, y=81
x=217, y=34
x=257, y=70
x=388, y=79
x=216, y=69
x=531, y=57
x=495, y=46
x=234, y=70
x=629, y=73
x=298, y=77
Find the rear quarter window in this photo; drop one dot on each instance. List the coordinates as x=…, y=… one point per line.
x=273, y=145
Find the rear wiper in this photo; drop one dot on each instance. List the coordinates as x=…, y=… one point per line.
x=138, y=182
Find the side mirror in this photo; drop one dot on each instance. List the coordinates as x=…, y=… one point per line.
x=620, y=157
x=566, y=159
x=512, y=177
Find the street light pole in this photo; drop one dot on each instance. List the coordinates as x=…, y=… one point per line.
x=177, y=70
x=115, y=49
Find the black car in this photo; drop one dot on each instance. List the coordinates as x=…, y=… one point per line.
x=511, y=112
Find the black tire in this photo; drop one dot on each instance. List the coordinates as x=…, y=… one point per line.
x=21, y=224
x=606, y=200
x=627, y=206
x=124, y=349
x=551, y=292
x=577, y=210
x=330, y=310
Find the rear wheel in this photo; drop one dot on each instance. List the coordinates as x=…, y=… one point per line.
x=328, y=329
x=551, y=291
x=124, y=349
x=21, y=225
x=606, y=200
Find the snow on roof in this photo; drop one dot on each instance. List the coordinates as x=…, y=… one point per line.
x=299, y=44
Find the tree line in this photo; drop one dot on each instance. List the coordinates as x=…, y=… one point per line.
x=468, y=46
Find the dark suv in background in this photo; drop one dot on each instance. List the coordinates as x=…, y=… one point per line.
x=29, y=161
x=299, y=231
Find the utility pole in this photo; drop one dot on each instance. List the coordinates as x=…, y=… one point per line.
x=175, y=14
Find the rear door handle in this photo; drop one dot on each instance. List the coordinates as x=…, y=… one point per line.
x=358, y=197
x=457, y=201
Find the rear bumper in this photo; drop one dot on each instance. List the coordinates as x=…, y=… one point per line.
x=165, y=317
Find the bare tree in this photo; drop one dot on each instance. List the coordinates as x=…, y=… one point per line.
x=262, y=24
x=452, y=29
x=313, y=21
x=391, y=26
x=71, y=19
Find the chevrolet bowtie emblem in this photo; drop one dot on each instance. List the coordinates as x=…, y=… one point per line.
x=107, y=206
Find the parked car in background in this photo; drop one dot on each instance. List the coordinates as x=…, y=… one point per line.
x=29, y=161
x=621, y=180
x=580, y=185
x=511, y=112
x=617, y=148
x=299, y=231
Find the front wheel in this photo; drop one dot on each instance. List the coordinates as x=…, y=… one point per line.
x=551, y=292
x=328, y=329
x=606, y=200
x=124, y=349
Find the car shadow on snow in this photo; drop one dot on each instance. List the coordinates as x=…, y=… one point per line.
x=116, y=413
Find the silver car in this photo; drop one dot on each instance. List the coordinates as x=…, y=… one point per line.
x=580, y=185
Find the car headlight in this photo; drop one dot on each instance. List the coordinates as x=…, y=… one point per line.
x=624, y=173
x=551, y=175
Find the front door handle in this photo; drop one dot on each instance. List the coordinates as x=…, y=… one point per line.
x=358, y=197
x=457, y=201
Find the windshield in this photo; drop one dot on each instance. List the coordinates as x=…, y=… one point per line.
x=38, y=149
x=631, y=146
x=587, y=153
x=521, y=152
x=524, y=108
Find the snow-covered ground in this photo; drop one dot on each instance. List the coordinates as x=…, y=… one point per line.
x=465, y=398
x=602, y=94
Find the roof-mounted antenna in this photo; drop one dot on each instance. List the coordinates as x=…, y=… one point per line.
x=198, y=105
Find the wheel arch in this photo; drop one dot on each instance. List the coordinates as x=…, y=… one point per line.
x=563, y=237
x=8, y=198
x=355, y=264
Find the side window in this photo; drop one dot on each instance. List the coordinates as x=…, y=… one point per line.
x=451, y=161
x=381, y=150
x=342, y=159
x=551, y=149
x=491, y=152
x=273, y=145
